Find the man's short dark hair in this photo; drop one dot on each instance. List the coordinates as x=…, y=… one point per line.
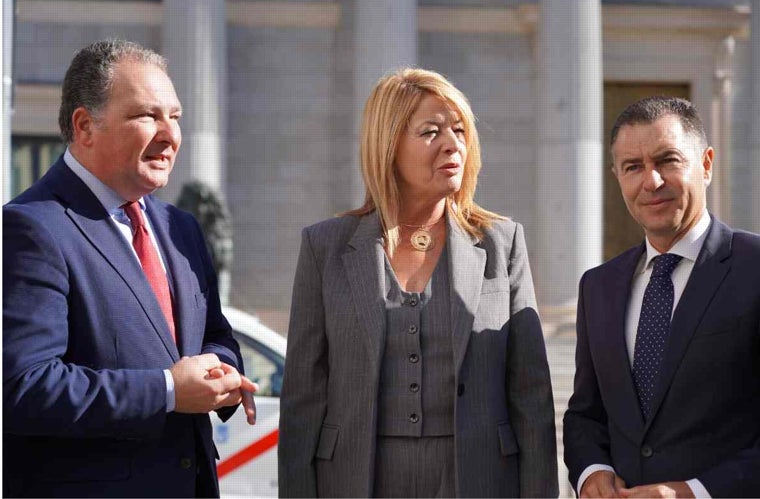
x=89, y=78
x=651, y=109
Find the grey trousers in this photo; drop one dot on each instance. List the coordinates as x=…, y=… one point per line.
x=414, y=467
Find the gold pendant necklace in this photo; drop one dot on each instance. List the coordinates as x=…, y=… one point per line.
x=422, y=238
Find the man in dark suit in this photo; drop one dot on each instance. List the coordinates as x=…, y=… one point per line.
x=667, y=386
x=114, y=344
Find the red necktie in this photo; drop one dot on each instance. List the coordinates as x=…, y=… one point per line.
x=151, y=265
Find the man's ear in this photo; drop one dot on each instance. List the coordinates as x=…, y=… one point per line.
x=83, y=124
x=708, y=156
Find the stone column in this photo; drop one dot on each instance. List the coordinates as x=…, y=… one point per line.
x=9, y=7
x=195, y=45
x=720, y=191
x=385, y=37
x=569, y=200
x=754, y=137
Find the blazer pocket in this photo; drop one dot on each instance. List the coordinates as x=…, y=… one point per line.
x=507, y=440
x=328, y=437
x=201, y=299
x=728, y=326
x=497, y=284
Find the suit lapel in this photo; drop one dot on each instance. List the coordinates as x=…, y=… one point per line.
x=86, y=212
x=613, y=297
x=365, y=266
x=710, y=269
x=178, y=273
x=467, y=263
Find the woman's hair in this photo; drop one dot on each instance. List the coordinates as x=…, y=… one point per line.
x=386, y=117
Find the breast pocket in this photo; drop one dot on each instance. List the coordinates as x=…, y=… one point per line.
x=201, y=299
x=493, y=308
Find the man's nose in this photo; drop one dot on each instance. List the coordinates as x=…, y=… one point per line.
x=653, y=179
x=169, y=132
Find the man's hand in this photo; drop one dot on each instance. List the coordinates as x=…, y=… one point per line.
x=668, y=489
x=202, y=383
x=246, y=391
x=602, y=484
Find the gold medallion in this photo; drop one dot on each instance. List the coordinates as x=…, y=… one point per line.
x=422, y=239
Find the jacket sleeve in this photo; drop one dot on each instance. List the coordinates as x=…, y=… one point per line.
x=738, y=475
x=304, y=392
x=586, y=437
x=531, y=405
x=43, y=395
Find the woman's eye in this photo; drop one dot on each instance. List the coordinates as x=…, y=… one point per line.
x=430, y=133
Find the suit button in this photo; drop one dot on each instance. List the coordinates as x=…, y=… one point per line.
x=186, y=463
x=412, y=302
x=414, y=358
x=414, y=387
x=413, y=418
x=460, y=389
x=647, y=451
x=412, y=329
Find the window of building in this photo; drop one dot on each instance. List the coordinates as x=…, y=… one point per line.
x=30, y=159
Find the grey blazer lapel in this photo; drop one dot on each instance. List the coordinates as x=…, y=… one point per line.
x=467, y=262
x=364, y=264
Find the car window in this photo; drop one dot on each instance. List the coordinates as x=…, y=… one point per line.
x=262, y=365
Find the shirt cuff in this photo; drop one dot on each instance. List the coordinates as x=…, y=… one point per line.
x=699, y=490
x=587, y=473
x=171, y=401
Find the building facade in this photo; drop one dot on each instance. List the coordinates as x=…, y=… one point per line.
x=273, y=91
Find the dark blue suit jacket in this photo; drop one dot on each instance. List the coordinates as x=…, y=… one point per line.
x=85, y=344
x=706, y=416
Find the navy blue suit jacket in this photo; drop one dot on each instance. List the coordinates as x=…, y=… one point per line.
x=85, y=344
x=706, y=412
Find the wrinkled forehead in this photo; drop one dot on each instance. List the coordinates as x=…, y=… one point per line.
x=137, y=80
x=435, y=109
x=648, y=138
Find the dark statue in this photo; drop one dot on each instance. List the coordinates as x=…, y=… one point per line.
x=210, y=210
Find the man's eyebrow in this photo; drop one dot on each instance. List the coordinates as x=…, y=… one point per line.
x=631, y=160
x=667, y=152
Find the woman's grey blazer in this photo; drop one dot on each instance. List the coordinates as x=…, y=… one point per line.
x=504, y=413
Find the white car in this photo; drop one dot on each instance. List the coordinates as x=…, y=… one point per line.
x=248, y=454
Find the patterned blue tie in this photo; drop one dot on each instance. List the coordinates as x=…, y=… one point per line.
x=654, y=326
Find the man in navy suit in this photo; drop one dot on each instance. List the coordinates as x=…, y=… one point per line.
x=114, y=344
x=667, y=385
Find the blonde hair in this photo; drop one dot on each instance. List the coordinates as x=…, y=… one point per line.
x=386, y=117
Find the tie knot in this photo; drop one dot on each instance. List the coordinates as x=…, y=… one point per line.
x=664, y=264
x=133, y=210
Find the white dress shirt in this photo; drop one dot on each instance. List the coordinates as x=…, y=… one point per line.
x=687, y=247
x=112, y=203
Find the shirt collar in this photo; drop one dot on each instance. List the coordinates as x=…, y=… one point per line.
x=687, y=247
x=110, y=200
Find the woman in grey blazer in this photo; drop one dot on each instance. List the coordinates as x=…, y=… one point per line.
x=416, y=364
